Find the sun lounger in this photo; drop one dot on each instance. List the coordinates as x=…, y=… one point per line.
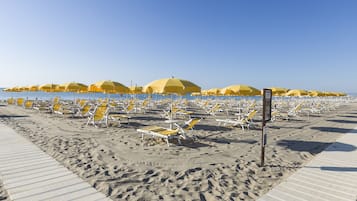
x=245, y=122
x=119, y=118
x=161, y=132
x=98, y=116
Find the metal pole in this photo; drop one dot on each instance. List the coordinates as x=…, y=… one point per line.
x=262, y=145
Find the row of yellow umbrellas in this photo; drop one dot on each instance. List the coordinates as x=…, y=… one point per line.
x=169, y=86
x=102, y=86
x=161, y=86
x=245, y=90
x=233, y=90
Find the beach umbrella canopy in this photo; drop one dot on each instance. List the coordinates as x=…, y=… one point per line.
x=12, y=89
x=315, y=93
x=171, y=86
x=297, y=92
x=48, y=87
x=33, y=88
x=136, y=90
x=240, y=90
x=214, y=92
x=108, y=86
x=72, y=87
x=278, y=91
x=227, y=92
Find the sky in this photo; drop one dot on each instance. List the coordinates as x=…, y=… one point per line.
x=304, y=44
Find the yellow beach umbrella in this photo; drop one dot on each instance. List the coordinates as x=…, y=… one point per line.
x=341, y=94
x=108, y=86
x=214, y=92
x=72, y=87
x=315, y=93
x=227, y=92
x=278, y=91
x=297, y=92
x=12, y=89
x=33, y=88
x=241, y=90
x=171, y=86
x=48, y=87
x=136, y=90
x=24, y=88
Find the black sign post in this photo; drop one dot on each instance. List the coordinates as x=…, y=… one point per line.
x=267, y=97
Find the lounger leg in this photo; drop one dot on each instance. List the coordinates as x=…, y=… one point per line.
x=167, y=140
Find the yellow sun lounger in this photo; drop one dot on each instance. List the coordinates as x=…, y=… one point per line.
x=161, y=132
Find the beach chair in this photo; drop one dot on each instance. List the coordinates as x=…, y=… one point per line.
x=213, y=110
x=20, y=101
x=247, y=121
x=28, y=104
x=130, y=107
x=161, y=132
x=292, y=112
x=98, y=116
x=42, y=106
x=84, y=111
x=188, y=126
x=58, y=108
x=10, y=101
x=119, y=118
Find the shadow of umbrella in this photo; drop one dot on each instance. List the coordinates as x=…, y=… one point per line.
x=314, y=147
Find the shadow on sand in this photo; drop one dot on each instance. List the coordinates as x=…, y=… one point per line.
x=342, y=121
x=335, y=169
x=211, y=128
x=314, y=147
x=13, y=116
x=147, y=118
x=334, y=129
x=347, y=116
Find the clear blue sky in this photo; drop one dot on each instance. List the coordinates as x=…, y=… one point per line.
x=309, y=44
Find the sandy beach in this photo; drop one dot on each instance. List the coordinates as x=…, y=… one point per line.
x=222, y=164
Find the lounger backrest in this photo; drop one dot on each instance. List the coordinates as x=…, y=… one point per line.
x=100, y=112
x=10, y=101
x=28, y=104
x=251, y=115
x=130, y=107
x=56, y=107
x=56, y=100
x=191, y=124
x=86, y=109
x=298, y=107
x=20, y=101
x=145, y=102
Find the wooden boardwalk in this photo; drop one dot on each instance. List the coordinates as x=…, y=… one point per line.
x=331, y=175
x=30, y=174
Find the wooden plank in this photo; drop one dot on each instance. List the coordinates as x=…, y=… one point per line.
x=30, y=174
x=331, y=175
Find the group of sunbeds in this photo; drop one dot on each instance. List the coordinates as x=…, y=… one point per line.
x=241, y=113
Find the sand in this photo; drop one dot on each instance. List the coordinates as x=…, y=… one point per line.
x=222, y=164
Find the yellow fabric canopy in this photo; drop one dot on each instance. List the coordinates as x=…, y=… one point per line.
x=171, y=86
x=240, y=90
x=108, y=86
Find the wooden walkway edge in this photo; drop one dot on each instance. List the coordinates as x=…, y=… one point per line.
x=331, y=175
x=30, y=174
